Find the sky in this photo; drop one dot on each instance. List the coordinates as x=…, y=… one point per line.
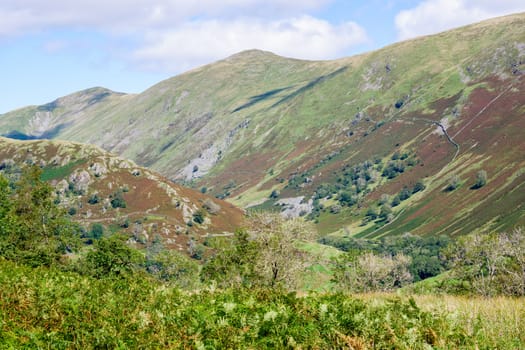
x=51, y=48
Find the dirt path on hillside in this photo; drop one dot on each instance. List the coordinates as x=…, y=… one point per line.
x=484, y=109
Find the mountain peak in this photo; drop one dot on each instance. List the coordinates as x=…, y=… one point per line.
x=252, y=53
x=255, y=55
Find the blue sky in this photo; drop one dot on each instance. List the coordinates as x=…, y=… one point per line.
x=50, y=48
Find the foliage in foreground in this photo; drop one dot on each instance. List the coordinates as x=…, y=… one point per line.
x=112, y=296
x=45, y=307
x=33, y=229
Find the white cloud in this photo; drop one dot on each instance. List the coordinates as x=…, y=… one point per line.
x=174, y=35
x=432, y=16
x=20, y=16
x=201, y=42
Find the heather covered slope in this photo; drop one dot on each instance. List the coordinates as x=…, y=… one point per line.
x=98, y=187
x=336, y=140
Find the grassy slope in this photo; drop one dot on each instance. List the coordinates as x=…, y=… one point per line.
x=154, y=205
x=249, y=123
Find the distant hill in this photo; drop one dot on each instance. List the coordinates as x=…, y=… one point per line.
x=423, y=136
x=98, y=187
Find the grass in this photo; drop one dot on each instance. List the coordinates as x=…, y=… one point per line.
x=495, y=323
x=490, y=323
x=48, y=308
x=318, y=105
x=52, y=173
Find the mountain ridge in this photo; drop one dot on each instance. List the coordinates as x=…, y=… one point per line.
x=257, y=125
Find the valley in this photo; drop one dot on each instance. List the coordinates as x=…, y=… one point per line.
x=369, y=202
x=256, y=124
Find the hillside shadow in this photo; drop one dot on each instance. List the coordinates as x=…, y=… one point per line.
x=48, y=107
x=49, y=134
x=259, y=98
x=310, y=85
x=98, y=97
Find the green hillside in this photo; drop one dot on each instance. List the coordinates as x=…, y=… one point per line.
x=424, y=136
x=108, y=194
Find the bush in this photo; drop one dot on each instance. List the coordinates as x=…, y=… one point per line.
x=96, y=232
x=396, y=201
x=418, y=187
x=481, y=179
x=94, y=199
x=111, y=258
x=175, y=268
x=404, y=194
x=453, y=183
x=65, y=310
x=118, y=201
x=199, y=217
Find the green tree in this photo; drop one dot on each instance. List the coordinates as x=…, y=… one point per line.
x=35, y=230
x=404, y=194
x=97, y=231
x=372, y=212
x=264, y=254
x=233, y=265
x=175, y=268
x=111, y=257
x=6, y=212
x=199, y=216
x=418, y=187
x=453, y=183
x=396, y=200
x=386, y=212
x=481, y=179
x=94, y=199
x=118, y=200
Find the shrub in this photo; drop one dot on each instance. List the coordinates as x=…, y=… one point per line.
x=481, y=179
x=94, y=199
x=111, y=257
x=404, y=194
x=418, y=187
x=96, y=232
x=396, y=201
x=118, y=201
x=453, y=183
x=199, y=216
x=174, y=267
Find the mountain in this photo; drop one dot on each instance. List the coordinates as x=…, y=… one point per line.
x=98, y=187
x=423, y=136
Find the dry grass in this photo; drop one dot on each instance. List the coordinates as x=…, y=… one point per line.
x=493, y=323
x=490, y=321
